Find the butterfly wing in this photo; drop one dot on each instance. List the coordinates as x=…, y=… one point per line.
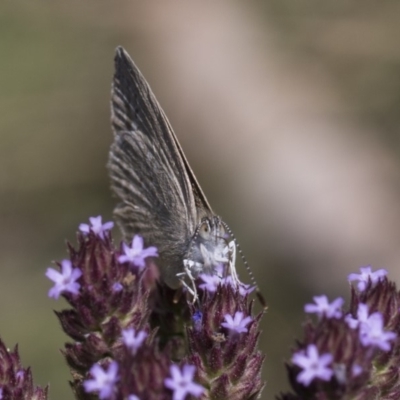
x=160, y=197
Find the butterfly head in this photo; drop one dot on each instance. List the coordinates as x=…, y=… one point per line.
x=208, y=248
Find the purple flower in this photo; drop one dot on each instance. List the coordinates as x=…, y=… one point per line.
x=245, y=289
x=211, y=282
x=1, y=393
x=65, y=281
x=103, y=381
x=20, y=375
x=137, y=253
x=132, y=339
x=372, y=333
x=371, y=328
x=313, y=365
x=133, y=397
x=197, y=319
x=238, y=323
x=351, y=322
x=366, y=275
x=181, y=383
x=323, y=308
x=117, y=287
x=362, y=316
x=356, y=370
x=96, y=227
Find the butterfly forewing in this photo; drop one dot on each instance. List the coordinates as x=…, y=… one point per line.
x=159, y=195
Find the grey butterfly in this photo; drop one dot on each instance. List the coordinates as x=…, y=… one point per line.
x=160, y=198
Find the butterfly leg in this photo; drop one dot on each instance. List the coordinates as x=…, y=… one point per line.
x=188, y=265
x=181, y=276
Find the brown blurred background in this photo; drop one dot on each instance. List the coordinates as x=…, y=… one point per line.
x=287, y=110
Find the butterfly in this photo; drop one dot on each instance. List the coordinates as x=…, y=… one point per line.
x=160, y=197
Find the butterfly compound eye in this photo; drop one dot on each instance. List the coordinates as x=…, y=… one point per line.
x=205, y=230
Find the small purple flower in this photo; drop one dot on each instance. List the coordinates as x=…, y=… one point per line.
x=323, y=308
x=197, y=318
x=313, y=365
x=132, y=339
x=356, y=370
x=117, y=287
x=211, y=282
x=65, y=281
x=181, y=383
x=20, y=375
x=133, y=397
x=245, y=289
x=137, y=253
x=238, y=323
x=372, y=333
x=371, y=328
x=96, y=227
x=366, y=275
x=103, y=381
x=362, y=316
x=351, y=322
x=1, y=393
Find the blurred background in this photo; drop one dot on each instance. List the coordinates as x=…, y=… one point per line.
x=288, y=113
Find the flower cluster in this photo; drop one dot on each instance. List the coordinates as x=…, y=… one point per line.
x=135, y=338
x=222, y=345
x=15, y=381
x=350, y=354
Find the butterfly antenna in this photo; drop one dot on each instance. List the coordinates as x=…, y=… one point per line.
x=259, y=295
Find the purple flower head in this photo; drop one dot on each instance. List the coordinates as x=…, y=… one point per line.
x=96, y=227
x=323, y=308
x=137, y=253
x=103, y=381
x=65, y=281
x=366, y=275
x=238, y=323
x=16, y=382
x=133, y=339
x=372, y=333
x=181, y=382
x=133, y=397
x=313, y=365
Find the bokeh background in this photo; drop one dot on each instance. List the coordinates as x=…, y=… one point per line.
x=288, y=112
